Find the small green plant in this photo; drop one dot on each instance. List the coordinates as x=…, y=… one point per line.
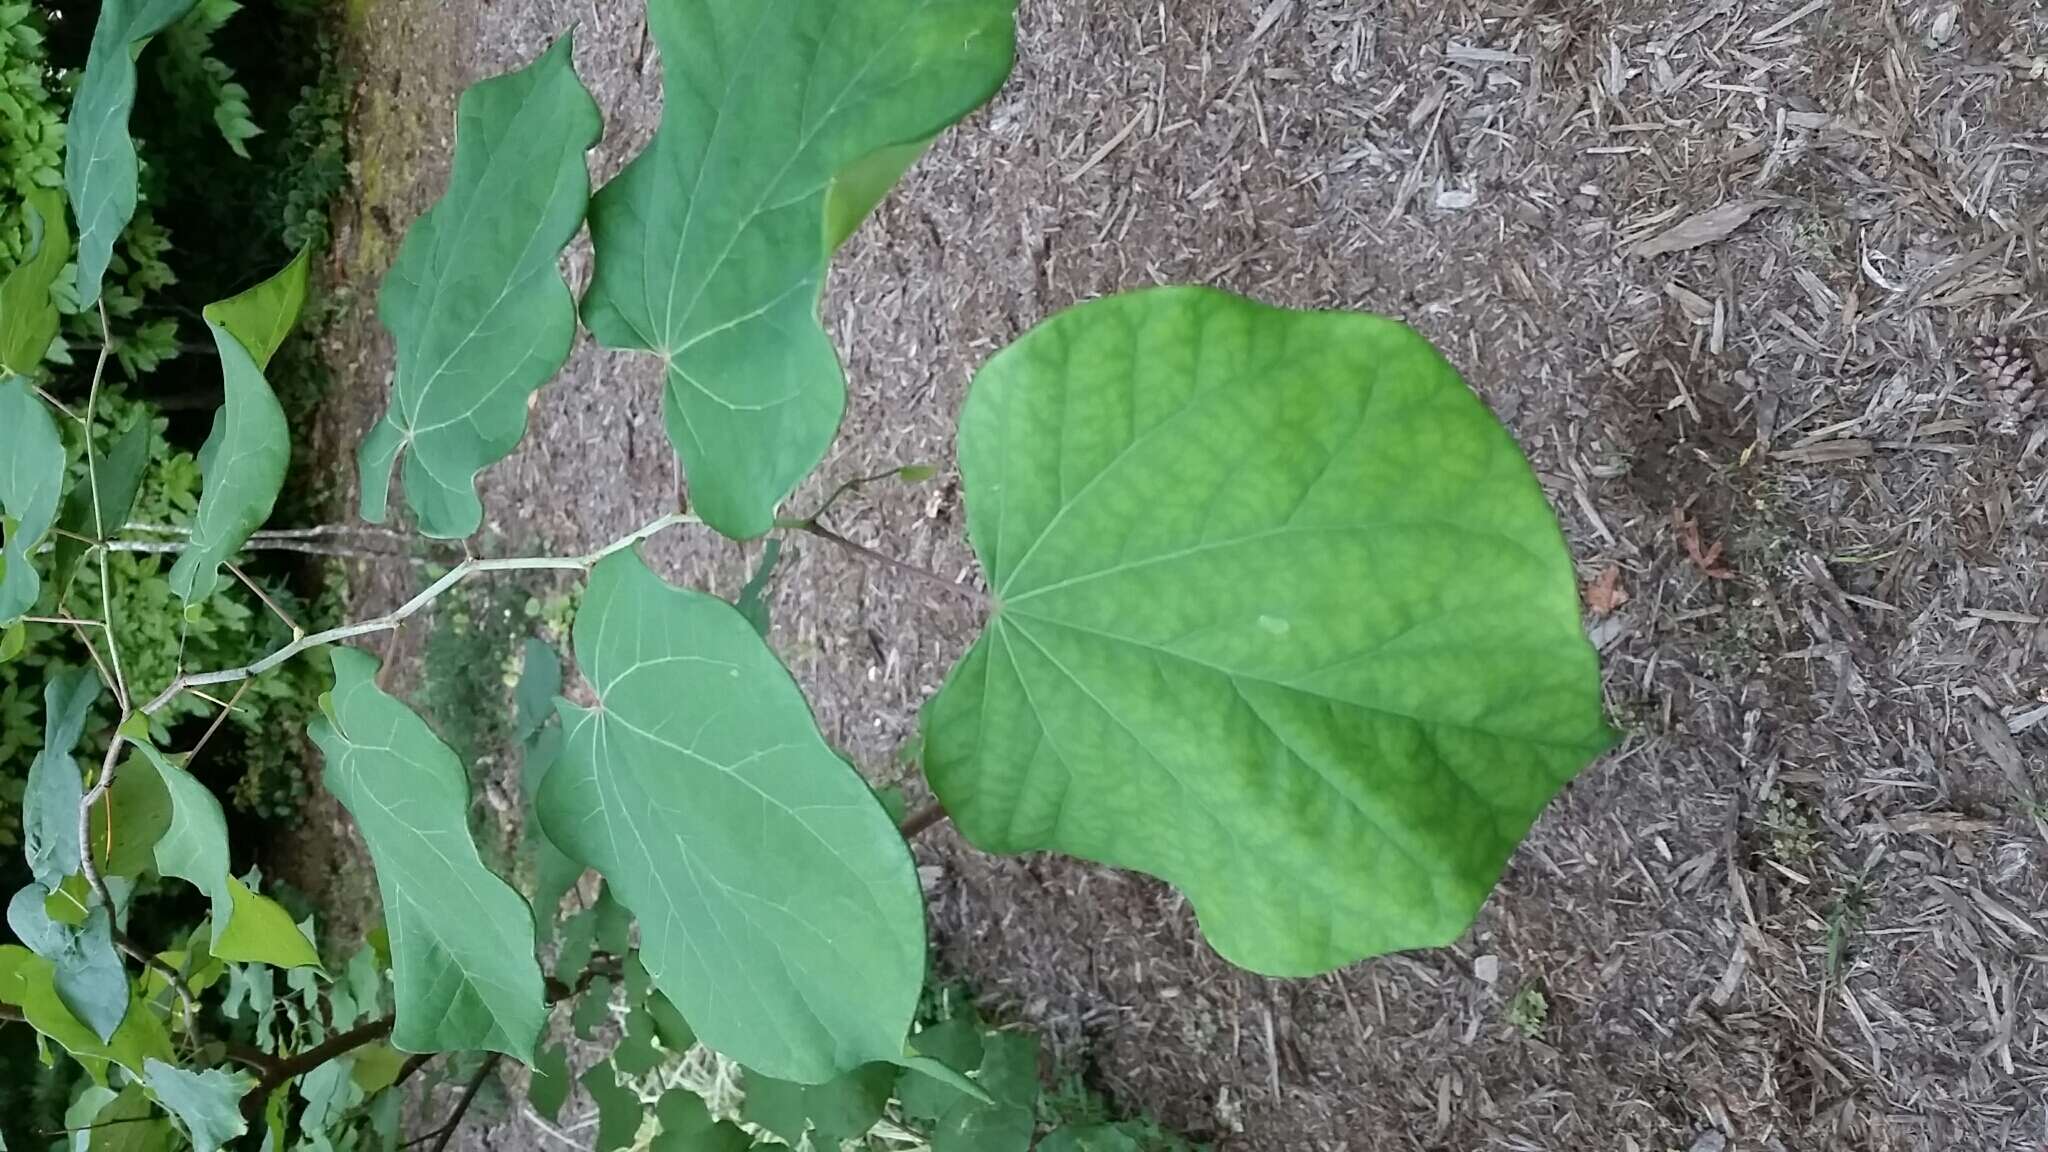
x=1275, y=611
x=1529, y=1011
x=1789, y=825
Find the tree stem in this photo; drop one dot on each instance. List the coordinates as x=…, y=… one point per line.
x=813, y=528
x=397, y=616
x=476, y=1084
x=100, y=789
x=335, y=1046
x=99, y=529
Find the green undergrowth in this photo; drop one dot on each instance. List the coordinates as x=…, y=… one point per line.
x=1071, y=1101
x=241, y=133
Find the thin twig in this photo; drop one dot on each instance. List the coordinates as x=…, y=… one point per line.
x=218, y=720
x=279, y=612
x=100, y=788
x=391, y=620
x=375, y=1030
x=253, y=545
x=853, y=485
x=823, y=533
x=99, y=529
x=924, y=818
x=53, y=1133
x=75, y=623
x=53, y=402
x=413, y=1063
x=170, y=975
x=367, y=531
x=79, y=627
x=290, y=1066
x=476, y=1084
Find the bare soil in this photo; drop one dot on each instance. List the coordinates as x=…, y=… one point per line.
x=1804, y=905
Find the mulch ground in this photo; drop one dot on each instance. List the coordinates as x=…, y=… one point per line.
x=1723, y=266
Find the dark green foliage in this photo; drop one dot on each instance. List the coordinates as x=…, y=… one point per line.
x=215, y=75
x=31, y=123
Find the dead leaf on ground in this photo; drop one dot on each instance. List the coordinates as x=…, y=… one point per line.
x=1715, y=224
x=1605, y=593
x=1705, y=557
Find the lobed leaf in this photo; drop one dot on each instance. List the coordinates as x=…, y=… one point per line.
x=28, y=313
x=778, y=906
x=462, y=941
x=31, y=484
x=207, y=1104
x=100, y=168
x=835, y=1111
x=619, y=1110
x=245, y=456
x=687, y=1126
x=783, y=123
x=247, y=928
x=1283, y=618
x=475, y=302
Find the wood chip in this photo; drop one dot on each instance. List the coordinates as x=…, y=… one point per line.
x=1710, y=227
x=1825, y=451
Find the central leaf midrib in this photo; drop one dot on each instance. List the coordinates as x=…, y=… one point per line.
x=441, y=266
x=673, y=324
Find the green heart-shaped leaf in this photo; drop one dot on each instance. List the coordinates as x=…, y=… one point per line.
x=462, y=955
x=194, y=848
x=1283, y=618
x=245, y=456
x=28, y=314
x=687, y=1126
x=778, y=906
x=100, y=170
x=833, y=1112
x=31, y=485
x=207, y=1104
x=783, y=123
x=475, y=303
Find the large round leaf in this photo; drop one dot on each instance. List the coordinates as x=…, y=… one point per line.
x=1283, y=618
x=778, y=906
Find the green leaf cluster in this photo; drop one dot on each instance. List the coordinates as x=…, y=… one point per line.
x=1277, y=612
x=31, y=125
